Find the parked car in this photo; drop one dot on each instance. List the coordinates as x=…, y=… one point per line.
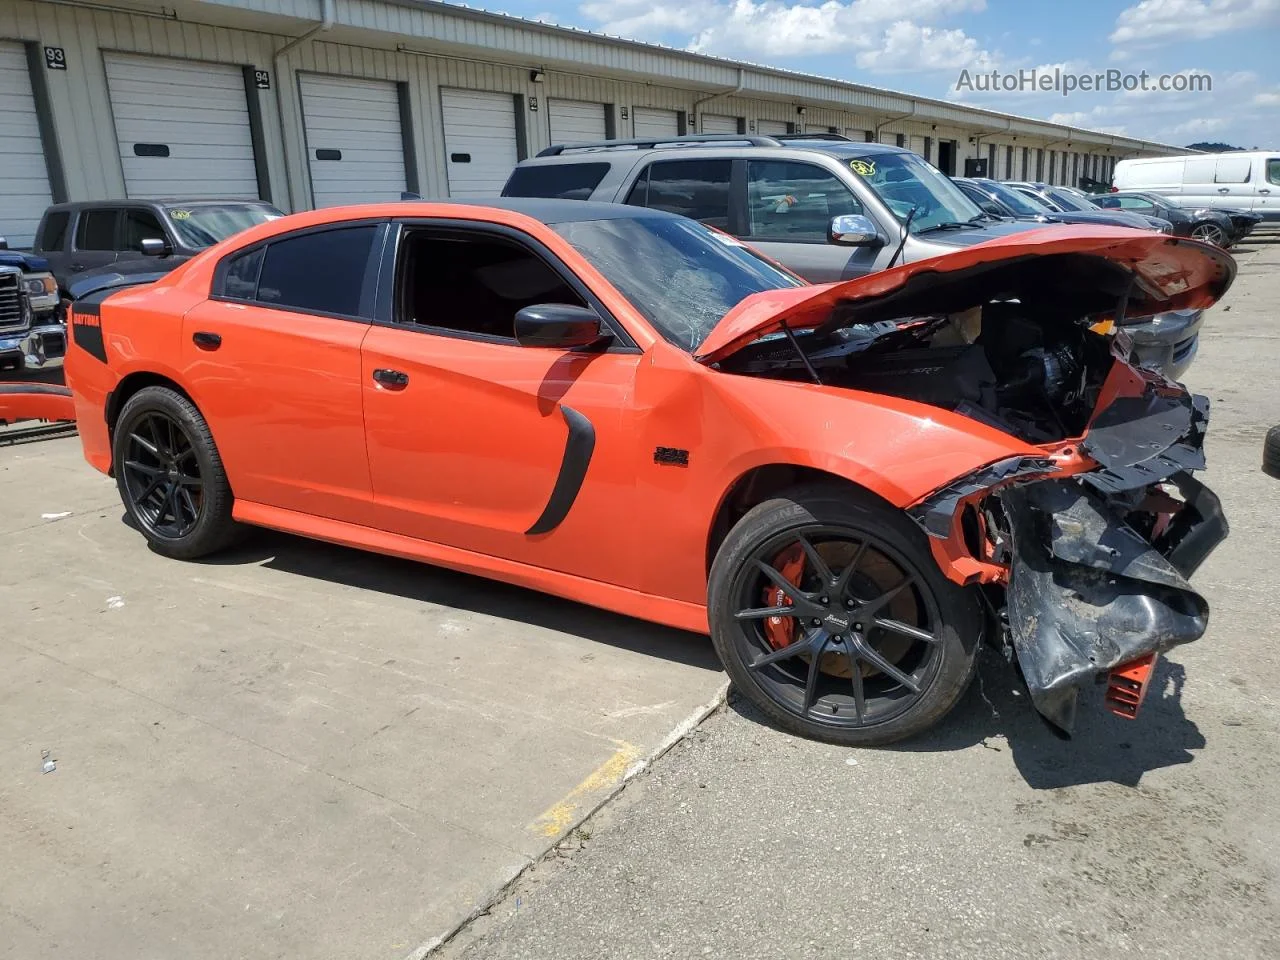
x=1242, y=180
x=123, y=236
x=1220, y=227
x=27, y=339
x=1065, y=200
x=845, y=485
x=1002, y=199
x=786, y=198
x=38, y=282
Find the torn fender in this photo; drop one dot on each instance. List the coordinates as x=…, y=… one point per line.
x=1087, y=592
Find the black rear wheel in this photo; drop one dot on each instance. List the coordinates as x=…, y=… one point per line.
x=170, y=476
x=832, y=617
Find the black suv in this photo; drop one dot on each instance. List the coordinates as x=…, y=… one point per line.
x=138, y=236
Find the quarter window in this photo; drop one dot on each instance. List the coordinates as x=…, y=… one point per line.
x=698, y=189
x=241, y=279
x=1273, y=171
x=97, y=230
x=322, y=272
x=794, y=201
x=567, y=181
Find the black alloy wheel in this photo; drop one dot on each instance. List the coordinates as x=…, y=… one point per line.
x=161, y=476
x=833, y=618
x=1209, y=233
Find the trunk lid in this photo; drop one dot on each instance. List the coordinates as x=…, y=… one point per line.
x=1156, y=273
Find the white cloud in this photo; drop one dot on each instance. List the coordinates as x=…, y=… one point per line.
x=885, y=35
x=1153, y=23
x=908, y=47
x=1197, y=127
x=1268, y=98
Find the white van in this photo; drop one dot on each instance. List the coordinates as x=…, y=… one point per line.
x=1228, y=181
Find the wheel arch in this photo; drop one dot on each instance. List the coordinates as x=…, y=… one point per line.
x=766, y=480
x=133, y=383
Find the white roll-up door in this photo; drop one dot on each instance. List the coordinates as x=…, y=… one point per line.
x=480, y=145
x=888, y=137
x=771, y=128
x=355, y=145
x=24, y=178
x=858, y=134
x=916, y=145
x=182, y=126
x=717, y=123
x=575, y=121
x=651, y=122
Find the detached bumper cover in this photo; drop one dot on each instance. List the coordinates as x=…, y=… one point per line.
x=1087, y=592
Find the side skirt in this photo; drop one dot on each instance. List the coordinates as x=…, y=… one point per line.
x=632, y=603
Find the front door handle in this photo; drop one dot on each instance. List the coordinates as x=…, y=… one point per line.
x=394, y=379
x=206, y=341
x=1263, y=190
x=1224, y=189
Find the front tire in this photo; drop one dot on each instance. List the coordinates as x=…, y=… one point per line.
x=831, y=616
x=1209, y=233
x=170, y=476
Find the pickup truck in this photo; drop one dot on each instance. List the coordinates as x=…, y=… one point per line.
x=32, y=331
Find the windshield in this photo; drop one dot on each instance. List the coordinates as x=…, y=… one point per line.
x=684, y=277
x=1019, y=203
x=206, y=224
x=903, y=181
x=1069, y=201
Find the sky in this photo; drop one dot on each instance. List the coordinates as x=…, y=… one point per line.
x=922, y=46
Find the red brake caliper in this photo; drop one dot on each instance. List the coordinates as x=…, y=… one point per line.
x=781, y=631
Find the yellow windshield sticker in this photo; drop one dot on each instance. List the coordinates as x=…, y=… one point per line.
x=180, y=214
x=864, y=168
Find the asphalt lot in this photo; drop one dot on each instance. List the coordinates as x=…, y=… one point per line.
x=295, y=750
x=989, y=838
x=302, y=751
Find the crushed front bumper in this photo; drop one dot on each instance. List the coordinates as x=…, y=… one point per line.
x=1094, y=563
x=1088, y=593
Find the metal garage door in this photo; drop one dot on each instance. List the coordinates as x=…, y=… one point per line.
x=889, y=138
x=24, y=180
x=651, y=122
x=771, y=128
x=916, y=145
x=715, y=123
x=183, y=127
x=480, y=145
x=575, y=121
x=355, y=145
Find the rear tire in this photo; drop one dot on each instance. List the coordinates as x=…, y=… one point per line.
x=1271, y=453
x=170, y=475
x=860, y=674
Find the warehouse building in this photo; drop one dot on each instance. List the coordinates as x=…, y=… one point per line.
x=310, y=103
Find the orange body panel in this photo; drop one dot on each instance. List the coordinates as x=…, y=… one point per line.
x=456, y=467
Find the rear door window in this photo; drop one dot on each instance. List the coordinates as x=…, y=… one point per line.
x=698, y=189
x=97, y=230
x=319, y=272
x=565, y=181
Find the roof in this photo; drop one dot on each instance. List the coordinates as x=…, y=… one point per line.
x=163, y=202
x=553, y=211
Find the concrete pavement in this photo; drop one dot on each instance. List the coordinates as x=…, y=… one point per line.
x=293, y=750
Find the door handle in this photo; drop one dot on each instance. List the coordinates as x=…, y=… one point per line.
x=1224, y=190
x=206, y=341
x=391, y=378
x=1263, y=190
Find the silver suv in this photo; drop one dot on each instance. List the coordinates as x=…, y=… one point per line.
x=827, y=207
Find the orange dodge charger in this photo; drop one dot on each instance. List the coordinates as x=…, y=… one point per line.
x=848, y=486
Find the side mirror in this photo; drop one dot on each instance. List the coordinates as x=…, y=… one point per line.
x=854, y=230
x=4, y=244
x=155, y=247
x=558, y=325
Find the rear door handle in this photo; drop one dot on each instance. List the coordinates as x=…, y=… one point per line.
x=1263, y=190
x=1224, y=189
x=206, y=341
x=391, y=378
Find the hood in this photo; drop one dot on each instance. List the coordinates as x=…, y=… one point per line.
x=88, y=283
x=23, y=261
x=1091, y=266
x=1110, y=218
x=978, y=233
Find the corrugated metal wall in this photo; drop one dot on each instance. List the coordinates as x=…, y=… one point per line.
x=82, y=119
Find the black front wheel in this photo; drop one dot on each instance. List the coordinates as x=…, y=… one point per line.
x=170, y=476
x=831, y=616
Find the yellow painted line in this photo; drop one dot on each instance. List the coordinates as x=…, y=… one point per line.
x=561, y=815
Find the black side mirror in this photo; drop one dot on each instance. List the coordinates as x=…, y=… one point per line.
x=155, y=247
x=558, y=325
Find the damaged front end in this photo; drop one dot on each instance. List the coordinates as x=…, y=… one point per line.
x=1084, y=536
x=1092, y=548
